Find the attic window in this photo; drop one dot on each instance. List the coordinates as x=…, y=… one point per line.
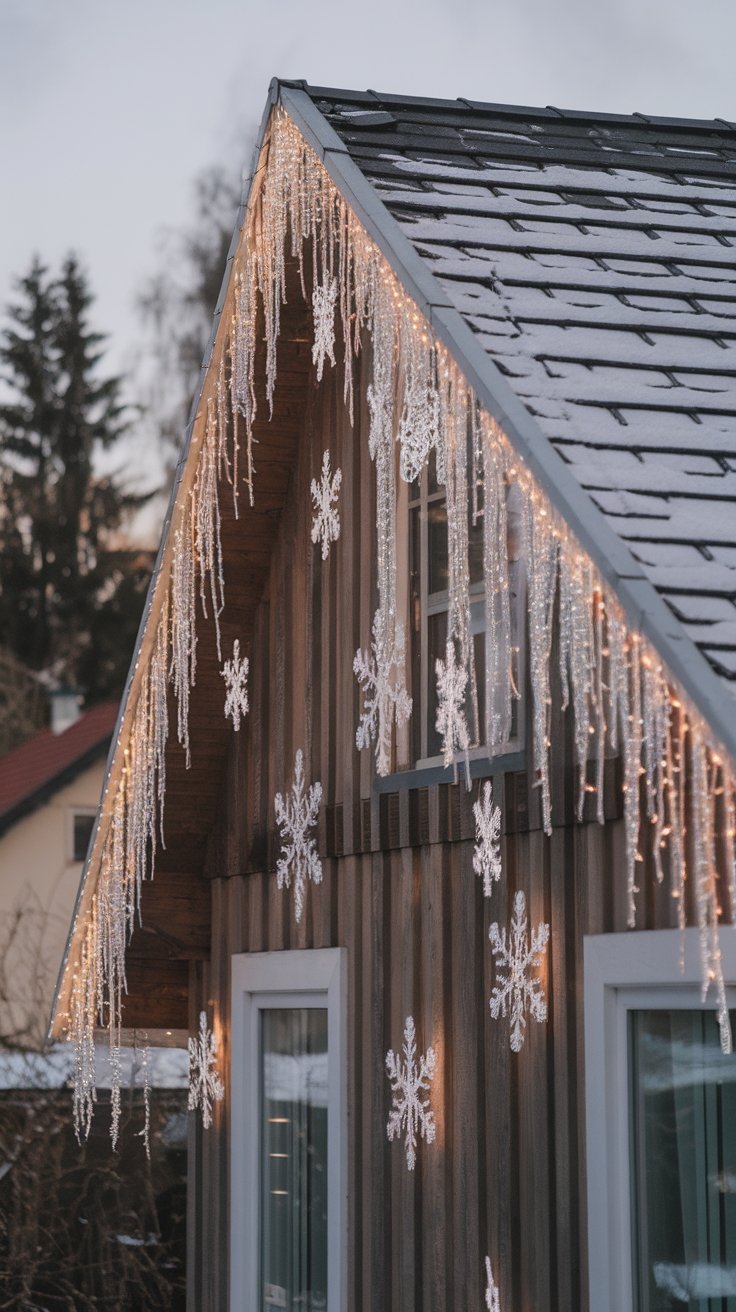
x=428, y=610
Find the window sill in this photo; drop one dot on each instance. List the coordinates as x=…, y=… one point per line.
x=481, y=767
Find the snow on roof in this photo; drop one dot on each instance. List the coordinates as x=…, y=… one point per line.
x=594, y=257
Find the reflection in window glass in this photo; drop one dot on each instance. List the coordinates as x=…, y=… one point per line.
x=436, y=650
x=439, y=573
x=294, y=1159
x=683, y=1144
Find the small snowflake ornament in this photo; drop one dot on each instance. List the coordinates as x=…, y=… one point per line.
x=295, y=816
x=407, y=1083
x=205, y=1085
x=323, y=311
x=326, y=522
x=487, y=853
x=493, y=1298
x=519, y=990
x=235, y=674
x=451, y=722
x=381, y=677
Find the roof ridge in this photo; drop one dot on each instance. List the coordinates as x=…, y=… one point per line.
x=636, y=118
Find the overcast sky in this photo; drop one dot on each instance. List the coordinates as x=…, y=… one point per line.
x=109, y=111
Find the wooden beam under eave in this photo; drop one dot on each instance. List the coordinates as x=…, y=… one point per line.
x=157, y=996
x=176, y=915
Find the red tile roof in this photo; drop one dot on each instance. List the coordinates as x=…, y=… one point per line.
x=36, y=763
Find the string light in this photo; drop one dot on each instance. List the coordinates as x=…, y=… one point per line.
x=419, y=402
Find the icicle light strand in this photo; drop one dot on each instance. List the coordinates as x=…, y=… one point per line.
x=621, y=697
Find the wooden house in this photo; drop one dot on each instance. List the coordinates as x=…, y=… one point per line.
x=423, y=791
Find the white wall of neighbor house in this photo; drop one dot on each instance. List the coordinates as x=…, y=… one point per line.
x=39, y=879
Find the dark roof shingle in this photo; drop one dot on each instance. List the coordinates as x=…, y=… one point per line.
x=594, y=257
x=33, y=769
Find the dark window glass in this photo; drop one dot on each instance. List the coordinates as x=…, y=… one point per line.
x=436, y=650
x=438, y=573
x=82, y=832
x=683, y=1147
x=432, y=484
x=475, y=550
x=294, y=1159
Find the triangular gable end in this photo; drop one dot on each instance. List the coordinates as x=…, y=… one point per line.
x=369, y=280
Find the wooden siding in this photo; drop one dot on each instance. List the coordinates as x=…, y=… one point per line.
x=506, y=1173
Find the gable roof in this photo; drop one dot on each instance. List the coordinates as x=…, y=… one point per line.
x=581, y=268
x=33, y=772
x=383, y=170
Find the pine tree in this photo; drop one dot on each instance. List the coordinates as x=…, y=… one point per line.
x=70, y=593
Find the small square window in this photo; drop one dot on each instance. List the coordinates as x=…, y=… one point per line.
x=82, y=825
x=429, y=603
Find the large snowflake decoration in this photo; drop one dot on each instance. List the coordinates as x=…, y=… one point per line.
x=205, y=1085
x=296, y=815
x=326, y=522
x=323, y=310
x=235, y=674
x=493, y=1298
x=451, y=722
x=519, y=990
x=487, y=853
x=407, y=1083
x=381, y=677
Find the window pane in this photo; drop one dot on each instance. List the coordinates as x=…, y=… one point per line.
x=415, y=632
x=438, y=576
x=475, y=549
x=432, y=484
x=437, y=650
x=294, y=1159
x=683, y=1105
x=82, y=830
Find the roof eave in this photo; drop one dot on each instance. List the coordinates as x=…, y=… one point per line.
x=645, y=609
x=141, y=639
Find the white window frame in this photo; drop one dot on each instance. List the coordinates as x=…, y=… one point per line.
x=310, y=977
x=625, y=972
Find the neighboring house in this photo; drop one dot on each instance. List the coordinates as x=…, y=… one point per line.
x=485, y=729
x=50, y=789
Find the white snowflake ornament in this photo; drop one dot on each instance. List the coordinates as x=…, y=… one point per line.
x=493, y=1298
x=326, y=522
x=487, y=852
x=235, y=674
x=381, y=676
x=205, y=1085
x=407, y=1083
x=519, y=990
x=451, y=722
x=323, y=311
x=295, y=816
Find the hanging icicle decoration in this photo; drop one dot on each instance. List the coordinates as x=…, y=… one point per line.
x=419, y=401
x=706, y=892
x=498, y=678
